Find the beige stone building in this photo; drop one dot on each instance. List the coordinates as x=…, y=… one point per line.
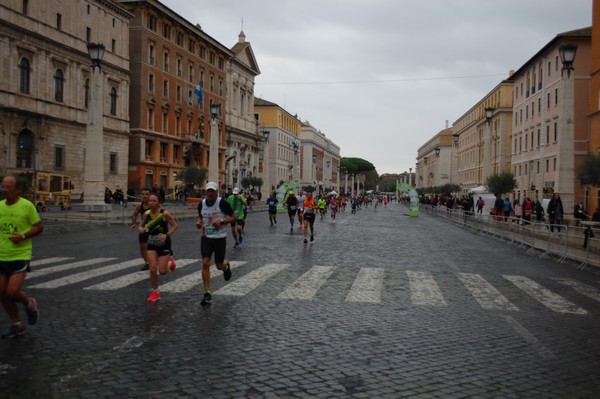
x=434, y=161
x=170, y=130
x=319, y=160
x=245, y=144
x=550, y=131
x=483, y=135
x=45, y=89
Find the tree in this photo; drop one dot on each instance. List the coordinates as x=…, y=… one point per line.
x=588, y=171
x=192, y=177
x=355, y=166
x=252, y=182
x=505, y=182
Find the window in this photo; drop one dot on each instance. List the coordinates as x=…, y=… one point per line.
x=88, y=34
x=547, y=136
x=113, y=101
x=547, y=164
x=166, y=31
x=202, y=52
x=114, y=22
x=86, y=93
x=88, y=9
x=58, y=85
x=178, y=94
x=59, y=157
x=191, y=46
x=113, y=46
x=526, y=136
x=178, y=124
x=165, y=121
x=150, y=82
x=24, y=149
x=113, y=162
x=555, y=96
x=538, y=167
x=152, y=22
x=539, y=137
x=191, y=73
x=25, y=7
x=555, y=132
x=554, y=162
x=211, y=58
x=532, y=140
x=548, y=101
x=179, y=70
x=24, y=75
x=549, y=66
x=165, y=88
x=176, y=153
x=166, y=61
x=150, y=119
x=149, y=149
x=151, y=54
x=163, y=152
x=179, y=39
x=58, y=21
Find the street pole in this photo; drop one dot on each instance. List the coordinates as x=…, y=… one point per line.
x=213, y=158
x=93, y=186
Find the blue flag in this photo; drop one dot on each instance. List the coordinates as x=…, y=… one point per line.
x=198, y=92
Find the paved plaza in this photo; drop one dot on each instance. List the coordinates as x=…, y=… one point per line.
x=381, y=305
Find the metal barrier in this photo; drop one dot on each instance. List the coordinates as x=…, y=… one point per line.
x=559, y=241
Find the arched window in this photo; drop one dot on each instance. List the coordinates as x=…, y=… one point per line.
x=24, y=75
x=113, y=101
x=86, y=93
x=59, y=82
x=25, y=149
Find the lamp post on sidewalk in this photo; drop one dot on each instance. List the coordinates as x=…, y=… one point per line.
x=565, y=157
x=213, y=159
x=93, y=186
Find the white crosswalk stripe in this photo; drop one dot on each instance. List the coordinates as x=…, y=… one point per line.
x=194, y=281
x=249, y=282
x=41, y=262
x=367, y=286
x=583, y=289
x=86, y=275
x=307, y=285
x=484, y=293
x=424, y=290
x=547, y=298
x=129, y=279
x=68, y=266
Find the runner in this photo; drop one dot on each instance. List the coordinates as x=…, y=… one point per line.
x=291, y=202
x=214, y=213
x=160, y=226
x=310, y=206
x=272, y=202
x=344, y=200
x=20, y=222
x=238, y=204
x=333, y=204
x=322, y=204
x=140, y=209
x=301, y=197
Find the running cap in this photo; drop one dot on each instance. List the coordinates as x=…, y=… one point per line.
x=211, y=185
x=236, y=190
x=291, y=192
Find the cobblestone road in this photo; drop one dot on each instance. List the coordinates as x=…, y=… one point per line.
x=380, y=306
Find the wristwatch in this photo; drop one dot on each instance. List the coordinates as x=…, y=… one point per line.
x=222, y=221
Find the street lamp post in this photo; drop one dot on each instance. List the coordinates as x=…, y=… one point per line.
x=213, y=159
x=93, y=186
x=265, y=170
x=565, y=156
x=454, y=163
x=487, y=141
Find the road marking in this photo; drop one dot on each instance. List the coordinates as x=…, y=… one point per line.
x=367, y=286
x=86, y=275
x=40, y=262
x=132, y=278
x=583, y=289
x=484, y=293
x=424, y=290
x=544, y=352
x=246, y=284
x=307, y=285
x=545, y=297
x=188, y=282
x=68, y=266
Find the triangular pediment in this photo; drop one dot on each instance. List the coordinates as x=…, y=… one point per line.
x=244, y=55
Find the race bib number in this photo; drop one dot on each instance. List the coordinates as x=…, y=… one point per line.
x=154, y=241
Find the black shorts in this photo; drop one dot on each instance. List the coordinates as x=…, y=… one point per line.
x=238, y=222
x=273, y=212
x=292, y=213
x=8, y=268
x=162, y=250
x=310, y=217
x=143, y=238
x=208, y=246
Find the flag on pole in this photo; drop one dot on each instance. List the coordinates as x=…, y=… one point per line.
x=198, y=92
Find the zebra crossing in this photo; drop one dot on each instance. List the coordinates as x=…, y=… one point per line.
x=367, y=286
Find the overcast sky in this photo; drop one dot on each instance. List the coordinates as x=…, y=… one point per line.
x=381, y=77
